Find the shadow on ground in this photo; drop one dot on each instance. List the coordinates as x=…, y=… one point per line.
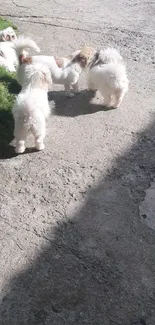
x=100, y=267
x=79, y=105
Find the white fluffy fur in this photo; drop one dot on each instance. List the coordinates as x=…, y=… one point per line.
x=7, y=34
x=8, y=57
x=108, y=75
x=68, y=75
x=110, y=55
x=24, y=43
x=9, y=51
x=31, y=107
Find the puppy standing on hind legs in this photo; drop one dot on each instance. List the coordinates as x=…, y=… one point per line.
x=31, y=107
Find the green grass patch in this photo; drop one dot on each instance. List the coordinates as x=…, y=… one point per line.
x=4, y=23
x=8, y=88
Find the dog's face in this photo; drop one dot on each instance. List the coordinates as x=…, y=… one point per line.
x=9, y=35
x=84, y=56
x=81, y=59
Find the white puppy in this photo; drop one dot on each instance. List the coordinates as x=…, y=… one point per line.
x=9, y=52
x=7, y=34
x=31, y=107
x=107, y=73
x=68, y=74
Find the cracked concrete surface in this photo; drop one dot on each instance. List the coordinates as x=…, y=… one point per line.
x=76, y=247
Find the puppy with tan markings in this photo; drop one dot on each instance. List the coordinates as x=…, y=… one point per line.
x=66, y=71
x=69, y=74
x=107, y=73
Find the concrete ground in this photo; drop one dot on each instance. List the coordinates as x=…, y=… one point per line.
x=77, y=231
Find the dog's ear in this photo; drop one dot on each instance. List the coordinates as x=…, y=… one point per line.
x=3, y=37
x=2, y=54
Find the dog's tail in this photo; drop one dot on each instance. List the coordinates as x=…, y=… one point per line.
x=23, y=43
x=38, y=73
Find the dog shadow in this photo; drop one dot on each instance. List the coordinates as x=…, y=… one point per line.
x=6, y=131
x=8, y=151
x=80, y=104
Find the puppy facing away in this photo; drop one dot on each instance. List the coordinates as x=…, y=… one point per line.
x=68, y=74
x=31, y=107
x=9, y=52
x=7, y=35
x=107, y=73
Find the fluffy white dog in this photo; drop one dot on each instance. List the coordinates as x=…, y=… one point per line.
x=69, y=72
x=107, y=73
x=31, y=107
x=9, y=52
x=7, y=34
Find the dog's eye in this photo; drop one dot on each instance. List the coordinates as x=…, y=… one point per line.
x=13, y=36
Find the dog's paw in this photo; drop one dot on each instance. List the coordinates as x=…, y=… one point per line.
x=40, y=146
x=116, y=105
x=19, y=149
